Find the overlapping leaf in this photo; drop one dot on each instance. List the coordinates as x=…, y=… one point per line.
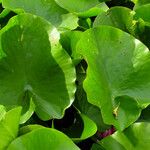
x=84, y=8
x=143, y=12
x=48, y=9
x=82, y=128
x=43, y=138
x=9, y=125
x=33, y=62
x=93, y=112
x=127, y=20
x=136, y=137
x=69, y=41
x=119, y=17
x=139, y=3
x=118, y=77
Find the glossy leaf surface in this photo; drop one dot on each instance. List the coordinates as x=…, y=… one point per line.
x=35, y=63
x=48, y=10
x=118, y=17
x=115, y=74
x=43, y=138
x=84, y=8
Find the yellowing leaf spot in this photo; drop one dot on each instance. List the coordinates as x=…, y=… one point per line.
x=115, y=111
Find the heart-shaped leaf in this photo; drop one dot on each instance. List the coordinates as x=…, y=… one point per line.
x=118, y=68
x=43, y=138
x=33, y=62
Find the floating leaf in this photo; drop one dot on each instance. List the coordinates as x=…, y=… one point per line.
x=117, y=63
x=43, y=138
x=35, y=63
x=47, y=9
x=81, y=103
x=84, y=8
x=139, y=3
x=143, y=12
x=119, y=17
x=81, y=129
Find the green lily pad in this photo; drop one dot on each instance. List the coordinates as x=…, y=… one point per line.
x=136, y=137
x=43, y=138
x=83, y=8
x=81, y=103
x=118, y=68
x=143, y=12
x=118, y=17
x=9, y=125
x=139, y=3
x=29, y=128
x=32, y=61
x=48, y=9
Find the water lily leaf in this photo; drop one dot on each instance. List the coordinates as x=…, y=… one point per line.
x=84, y=8
x=119, y=17
x=126, y=20
x=43, y=138
x=82, y=128
x=81, y=103
x=48, y=9
x=143, y=12
x=69, y=41
x=35, y=63
x=136, y=137
x=89, y=128
x=29, y=112
x=26, y=129
x=116, y=69
x=69, y=22
x=9, y=126
x=139, y=3
x=75, y=125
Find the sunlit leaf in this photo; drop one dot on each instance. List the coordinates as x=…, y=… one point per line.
x=117, y=63
x=43, y=138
